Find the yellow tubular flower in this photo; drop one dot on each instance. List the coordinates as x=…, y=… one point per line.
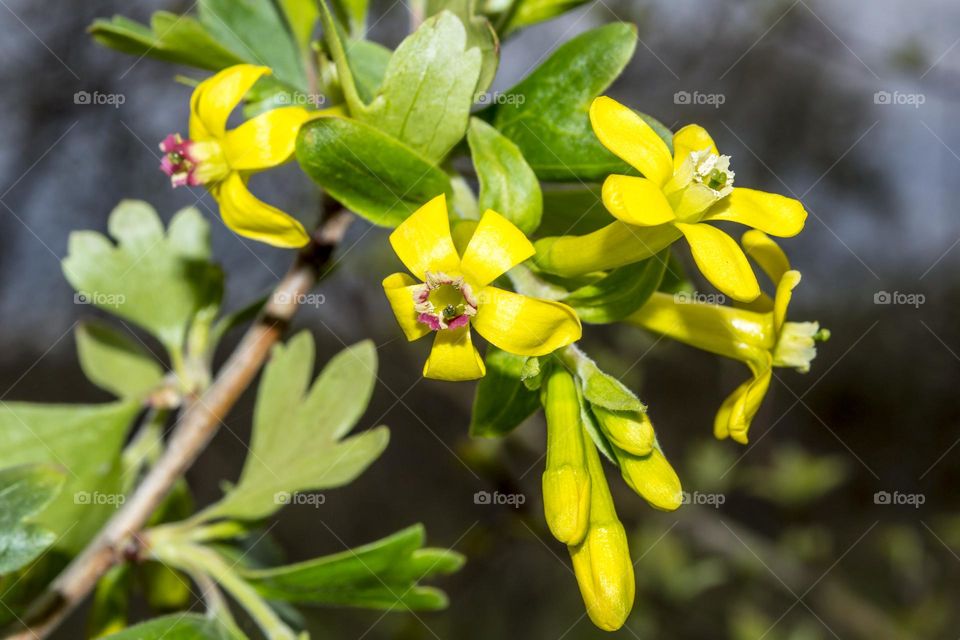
x=602, y=561
x=678, y=194
x=224, y=160
x=628, y=430
x=652, y=478
x=453, y=291
x=566, y=481
x=759, y=336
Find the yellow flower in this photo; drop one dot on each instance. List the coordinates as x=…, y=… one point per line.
x=601, y=562
x=224, y=160
x=454, y=292
x=758, y=335
x=678, y=194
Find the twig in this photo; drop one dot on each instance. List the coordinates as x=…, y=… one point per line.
x=193, y=432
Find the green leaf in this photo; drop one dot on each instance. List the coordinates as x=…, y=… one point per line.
x=480, y=34
x=507, y=183
x=369, y=172
x=24, y=492
x=572, y=209
x=546, y=115
x=502, y=401
x=111, y=600
x=257, y=29
x=528, y=12
x=302, y=17
x=297, y=429
x=177, y=39
x=598, y=387
x=85, y=440
x=179, y=626
x=620, y=293
x=156, y=281
x=381, y=575
x=116, y=363
x=369, y=61
x=353, y=13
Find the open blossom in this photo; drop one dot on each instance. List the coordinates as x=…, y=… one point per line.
x=679, y=194
x=224, y=160
x=452, y=293
x=759, y=335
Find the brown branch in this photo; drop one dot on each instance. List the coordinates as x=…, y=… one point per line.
x=193, y=432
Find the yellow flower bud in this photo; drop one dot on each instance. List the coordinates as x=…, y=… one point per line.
x=631, y=431
x=602, y=561
x=566, y=482
x=652, y=478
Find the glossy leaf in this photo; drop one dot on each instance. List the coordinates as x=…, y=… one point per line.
x=529, y=12
x=620, y=293
x=380, y=575
x=157, y=281
x=178, y=626
x=507, y=183
x=297, y=440
x=546, y=114
x=502, y=401
x=369, y=172
x=368, y=61
x=301, y=17
x=84, y=440
x=116, y=363
x=24, y=492
x=480, y=34
x=572, y=209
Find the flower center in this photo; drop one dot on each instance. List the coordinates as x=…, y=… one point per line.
x=444, y=302
x=713, y=171
x=191, y=163
x=797, y=345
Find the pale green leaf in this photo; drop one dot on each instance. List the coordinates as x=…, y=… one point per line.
x=528, y=12
x=302, y=17
x=296, y=443
x=507, y=183
x=480, y=34
x=24, y=492
x=116, y=363
x=178, y=626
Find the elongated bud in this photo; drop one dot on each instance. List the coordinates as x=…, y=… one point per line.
x=652, y=478
x=566, y=482
x=631, y=431
x=602, y=561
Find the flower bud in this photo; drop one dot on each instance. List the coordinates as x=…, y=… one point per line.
x=566, y=482
x=602, y=561
x=652, y=478
x=631, y=431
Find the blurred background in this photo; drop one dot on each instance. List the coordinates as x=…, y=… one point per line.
x=850, y=106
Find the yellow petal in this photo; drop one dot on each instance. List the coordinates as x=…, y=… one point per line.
x=216, y=97
x=525, y=326
x=782, y=298
x=454, y=357
x=400, y=289
x=721, y=261
x=626, y=134
x=495, y=247
x=652, y=478
x=738, y=410
x=252, y=218
x=264, y=141
x=771, y=213
x=692, y=137
x=614, y=245
x=423, y=242
x=766, y=253
x=636, y=201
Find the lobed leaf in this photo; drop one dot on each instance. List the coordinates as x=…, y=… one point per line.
x=24, y=492
x=115, y=363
